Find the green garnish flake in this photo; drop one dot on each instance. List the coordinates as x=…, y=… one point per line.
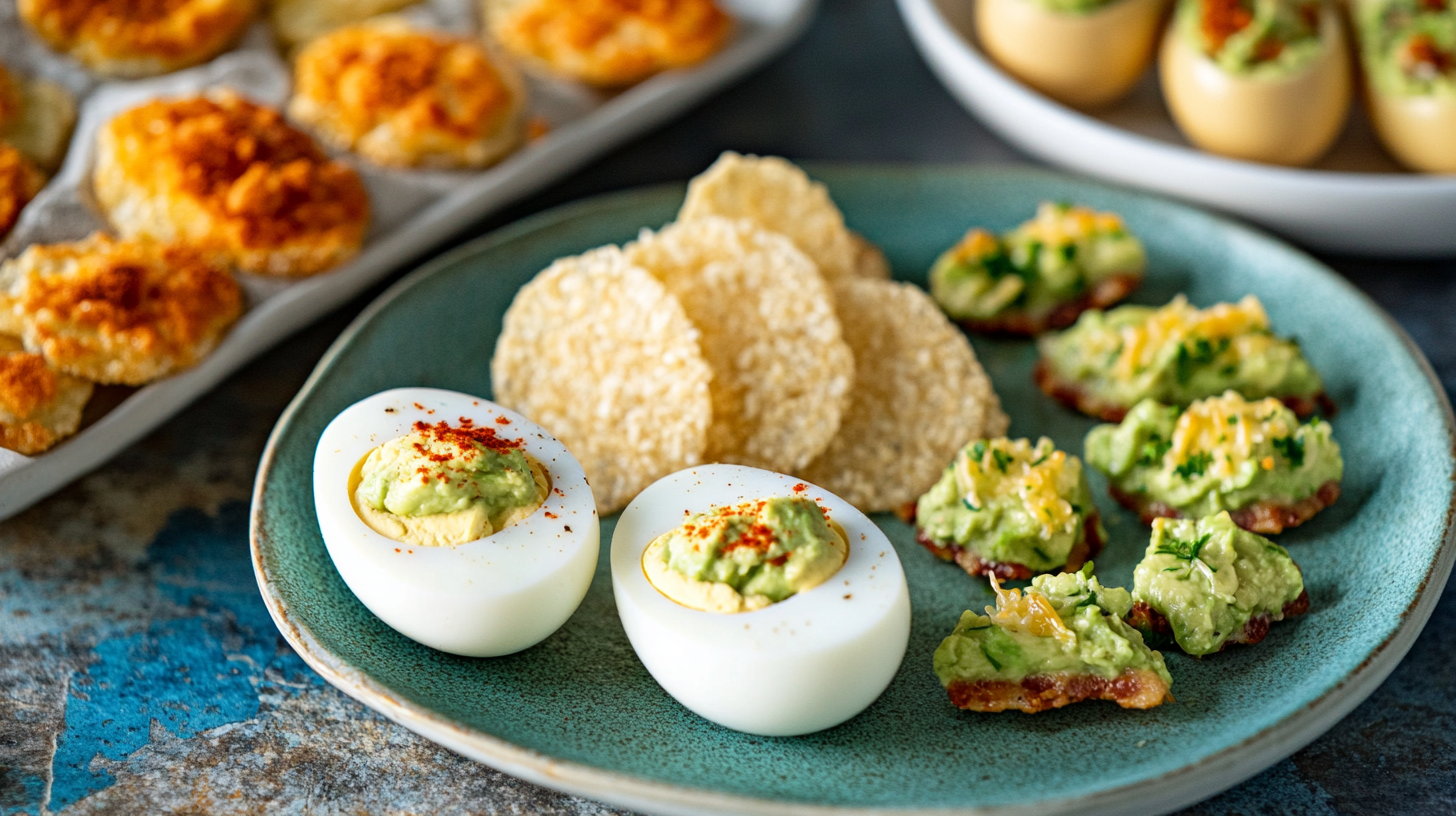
x=1291, y=448
x=1194, y=465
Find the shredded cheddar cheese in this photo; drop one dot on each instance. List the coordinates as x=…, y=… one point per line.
x=1178, y=321
x=1037, y=475
x=1057, y=224
x=1228, y=428
x=1031, y=612
x=976, y=244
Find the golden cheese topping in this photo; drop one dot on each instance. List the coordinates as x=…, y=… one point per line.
x=39, y=406
x=233, y=179
x=26, y=383
x=138, y=37
x=118, y=311
x=1030, y=612
x=12, y=99
x=1229, y=428
x=1179, y=321
x=1036, y=475
x=19, y=182
x=404, y=97
x=1055, y=224
x=611, y=42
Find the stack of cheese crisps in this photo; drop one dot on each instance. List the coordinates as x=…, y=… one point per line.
x=757, y=330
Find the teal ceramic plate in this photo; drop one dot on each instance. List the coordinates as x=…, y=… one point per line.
x=580, y=714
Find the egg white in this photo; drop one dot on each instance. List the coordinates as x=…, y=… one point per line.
x=1292, y=120
x=804, y=664
x=1083, y=60
x=484, y=598
x=1419, y=131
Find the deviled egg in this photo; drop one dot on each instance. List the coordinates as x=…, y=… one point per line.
x=1262, y=80
x=761, y=602
x=461, y=524
x=1409, y=52
x=1085, y=53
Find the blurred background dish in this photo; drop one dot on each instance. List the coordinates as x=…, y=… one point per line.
x=1355, y=199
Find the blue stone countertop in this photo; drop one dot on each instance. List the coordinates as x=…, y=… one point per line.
x=139, y=670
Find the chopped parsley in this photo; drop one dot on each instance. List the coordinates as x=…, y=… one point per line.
x=1291, y=448
x=1194, y=465
x=1194, y=353
x=1154, y=450
x=1069, y=252
x=1001, y=458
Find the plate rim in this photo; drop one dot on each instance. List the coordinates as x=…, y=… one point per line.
x=1382, y=182
x=1169, y=791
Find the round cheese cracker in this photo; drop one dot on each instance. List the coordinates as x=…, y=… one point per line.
x=599, y=353
x=919, y=396
x=781, y=369
x=778, y=196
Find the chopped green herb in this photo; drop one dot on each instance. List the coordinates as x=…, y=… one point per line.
x=1183, y=550
x=969, y=506
x=1154, y=450
x=1291, y=448
x=1194, y=353
x=1194, y=465
x=978, y=451
x=1069, y=252
x=1001, y=458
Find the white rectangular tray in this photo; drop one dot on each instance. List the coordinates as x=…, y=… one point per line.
x=764, y=27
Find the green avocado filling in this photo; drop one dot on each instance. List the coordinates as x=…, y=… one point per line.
x=1177, y=354
x=1010, y=502
x=1075, y=6
x=1408, y=47
x=441, y=469
x=1053, y=259
x=772, y=548
x=1262, y=38
x=1063, y=623
x=1209, y=578
x=1219, y=454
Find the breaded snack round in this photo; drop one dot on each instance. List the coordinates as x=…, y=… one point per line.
x=36, y=118
x=601, y=354
x=778, y=196
x=19, y=182
x=124, y=312
x=404, y=97
x=781, y=368
x=609, y=43
x=232, y=179
x=39, y=406
x=137, y=38
x=297, y=21
x=919, y=396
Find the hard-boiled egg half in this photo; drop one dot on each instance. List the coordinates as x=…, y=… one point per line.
x=1409, y=52
x=428, y=504
x=782, y=665
x=1262, y=80
x=1085, y=53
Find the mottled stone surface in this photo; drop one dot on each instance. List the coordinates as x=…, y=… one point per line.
x=140, y=673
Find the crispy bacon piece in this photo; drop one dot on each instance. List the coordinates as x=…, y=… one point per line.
x=1021, y=324
x=1088, y=548
x=1263, y=517
x=1134, y=688
x=1158, y=632
x=1074, y=396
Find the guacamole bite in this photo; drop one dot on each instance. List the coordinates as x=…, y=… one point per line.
x=1110, y=361
x=1040, y=275
x=1254, y=460
x=442, y=485
x=1060, y=642
x=1205, y=584
x=1012, y=509
x=746, y=556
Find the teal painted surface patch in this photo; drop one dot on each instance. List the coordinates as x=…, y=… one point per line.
x=195, y=670
x=582, y=697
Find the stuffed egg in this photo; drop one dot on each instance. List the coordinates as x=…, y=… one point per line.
x=761, y=602
x=1085, y=53
x=459, y=523
x=1409, y=51
x=1262, y=80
